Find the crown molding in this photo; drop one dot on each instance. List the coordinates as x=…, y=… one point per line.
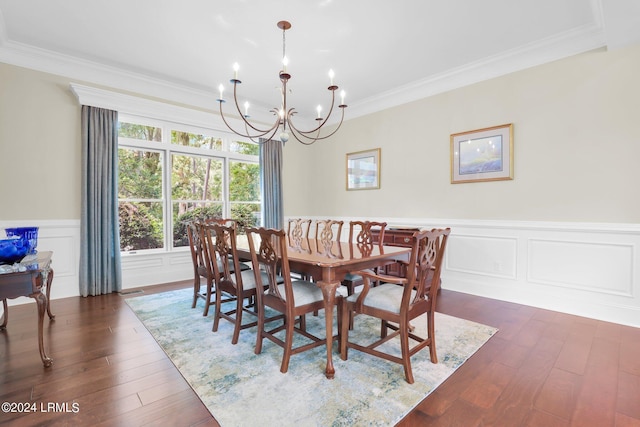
x=570, y=43
x=551, y=49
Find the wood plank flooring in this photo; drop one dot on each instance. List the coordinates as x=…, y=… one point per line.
x=542, y=368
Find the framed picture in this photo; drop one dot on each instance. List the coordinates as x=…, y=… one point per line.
x=482, y=155
x=363, y=170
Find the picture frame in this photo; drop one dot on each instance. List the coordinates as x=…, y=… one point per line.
x=482, y=155
x=363, y=170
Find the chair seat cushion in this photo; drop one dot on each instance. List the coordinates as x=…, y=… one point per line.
x=304, y=292
x=243, y=266
x=352, y=277
x=385, y=297
x=249, y=279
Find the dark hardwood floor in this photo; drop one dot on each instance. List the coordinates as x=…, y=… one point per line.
x=541, y=369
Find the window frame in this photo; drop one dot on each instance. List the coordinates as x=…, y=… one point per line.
x=167, y=148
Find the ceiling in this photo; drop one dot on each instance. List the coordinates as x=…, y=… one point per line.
x=384, y=53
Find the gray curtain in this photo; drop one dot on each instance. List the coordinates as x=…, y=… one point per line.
x=271, y=181
x=100, y=270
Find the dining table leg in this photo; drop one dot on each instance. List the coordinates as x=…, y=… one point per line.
x=329, y=294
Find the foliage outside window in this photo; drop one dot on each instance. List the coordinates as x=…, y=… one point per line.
x=169, y=177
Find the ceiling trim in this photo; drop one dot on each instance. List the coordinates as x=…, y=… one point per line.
x=561, y=46
x=564, y=45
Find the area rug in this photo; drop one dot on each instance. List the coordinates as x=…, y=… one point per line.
x=241, y=388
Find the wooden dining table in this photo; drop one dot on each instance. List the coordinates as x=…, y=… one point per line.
x=327, y=265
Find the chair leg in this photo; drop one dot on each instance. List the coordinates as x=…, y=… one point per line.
x=218, y=308
x=288, y=344
x=207, y=300
x=260, y=331
x=238, y=322
x=196, y=289
x=351, y=286
x=383, y=328
x=345, y=318
x=303, y=322
x=431, y=336
x=406, y=357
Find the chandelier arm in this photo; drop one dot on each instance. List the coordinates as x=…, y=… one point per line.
x=261, y=133
x=299, y=135
x=322, y=122
x=274, y=130
x=265, y=140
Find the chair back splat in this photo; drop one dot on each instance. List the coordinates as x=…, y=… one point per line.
x=328, y=231
x=298, y=230
x=397, y=305
x=360, y=234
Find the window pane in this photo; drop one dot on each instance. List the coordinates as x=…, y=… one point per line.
x=141, y=225
x=244, y=185
x=195, y=140
x=244, y=147
x=246, y=215
x=146, y=133
x=184, y=212
x=139, y=174
x=196, y=178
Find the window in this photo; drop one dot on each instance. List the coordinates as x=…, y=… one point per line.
x=170, y=174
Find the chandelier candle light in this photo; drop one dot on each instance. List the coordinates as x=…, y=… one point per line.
x=284, y=115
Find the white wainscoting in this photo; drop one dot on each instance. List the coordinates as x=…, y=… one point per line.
x=589, y=270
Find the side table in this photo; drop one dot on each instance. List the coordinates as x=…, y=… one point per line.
x=30, y=283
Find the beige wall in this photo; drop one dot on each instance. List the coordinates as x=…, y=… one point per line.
x=577, y=148
x=576, y=132
x=39, y=146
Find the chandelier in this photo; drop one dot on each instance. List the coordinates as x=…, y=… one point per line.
x=284, y=114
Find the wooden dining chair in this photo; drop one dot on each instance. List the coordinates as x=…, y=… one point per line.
x=294, y=299
x=200, y=271
x=397, y=306
x=232, y=281
x=360, y=235
x=199, y=267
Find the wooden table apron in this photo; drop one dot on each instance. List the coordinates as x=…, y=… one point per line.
x=29, y=284
x=328, y=269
